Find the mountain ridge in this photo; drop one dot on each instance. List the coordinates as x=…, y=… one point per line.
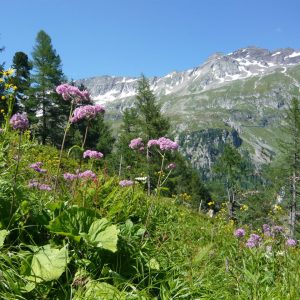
x=218, y=70
x=243, y=94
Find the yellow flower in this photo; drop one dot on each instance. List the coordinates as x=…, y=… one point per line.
x=3, y=97
x=2, y=110
x=8, y=72
x=14, y=87
x=244, y=207
x=277, y=207
x=210, y=203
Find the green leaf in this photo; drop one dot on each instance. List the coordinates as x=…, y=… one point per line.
x=101, y=290
x=73, y=222
x=103, y=235
x=48, y=264
x=3, y=234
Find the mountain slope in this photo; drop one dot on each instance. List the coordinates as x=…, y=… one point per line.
x=243, y=93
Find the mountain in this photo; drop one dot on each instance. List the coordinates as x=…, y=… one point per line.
x=239, y=96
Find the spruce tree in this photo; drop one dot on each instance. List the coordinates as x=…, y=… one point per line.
x=143, y=120
x=229, y=167
x=146, y=120
x=21, y=78
x=45, y=107
x=291, y=150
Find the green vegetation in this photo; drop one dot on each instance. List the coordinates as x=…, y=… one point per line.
x=137, y=222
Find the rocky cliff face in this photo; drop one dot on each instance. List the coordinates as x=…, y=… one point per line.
x=245, y=92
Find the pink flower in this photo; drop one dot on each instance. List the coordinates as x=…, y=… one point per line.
x=253, y=241
x=291, y=242
x=124, y=183
x=171, y=166
x=240, y=232
x=167, y=144
x=152, y=143
x=88, y=174
x=19, y=121
x=45, y=187
x=136, y=143
x=33, y=183
x=70, y=92
x=163, y=143
x=86, y=112
x=70, y=176
x=37, y=167
x=92, y=154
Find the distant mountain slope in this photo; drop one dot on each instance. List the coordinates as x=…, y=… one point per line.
x=244, y=92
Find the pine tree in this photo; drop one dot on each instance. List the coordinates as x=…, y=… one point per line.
x=291, y=149
x=229, y=168
x=144, y=120
x=44, y=106
x=21, y=78
x=152, y=123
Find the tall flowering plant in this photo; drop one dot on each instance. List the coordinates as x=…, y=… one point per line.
x=88, y=112
x=162, y=145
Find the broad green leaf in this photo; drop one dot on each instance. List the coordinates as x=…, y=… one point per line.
x=3, y=235
x=100, y=291
x=48, y=264
x=73, y=222
x=103, y=235
x=140, y=232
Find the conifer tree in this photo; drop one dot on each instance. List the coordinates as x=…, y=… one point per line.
x=21, y=78
x=144, y=120
x=291, y=150
x=44, y=106
x=229, y=168
x=151, y=121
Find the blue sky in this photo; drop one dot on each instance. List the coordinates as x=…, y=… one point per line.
x=128, y=37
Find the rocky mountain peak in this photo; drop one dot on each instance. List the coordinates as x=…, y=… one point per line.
x=218, y=70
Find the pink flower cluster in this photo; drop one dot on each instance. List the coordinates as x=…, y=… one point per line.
x=37, y=167
x=88, y=174
x=253, y=241
x=136, y=144
x=19, y=121
x=124, y=183
x=273, y=232
x=171, y=166
x=240, y=232
x=291, y=242
x=86, y=112
x=92, y=154
x=33, y=183
x=70, y=92
x=163, y=143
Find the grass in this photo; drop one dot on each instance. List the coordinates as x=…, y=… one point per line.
x=147, y=248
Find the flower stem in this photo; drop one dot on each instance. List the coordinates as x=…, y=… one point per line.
x=63, y=145
x=160, y=175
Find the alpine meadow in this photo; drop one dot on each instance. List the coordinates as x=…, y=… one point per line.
x=182, y=186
